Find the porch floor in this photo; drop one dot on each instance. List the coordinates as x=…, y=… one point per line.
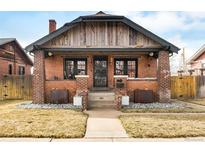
x=96, y=89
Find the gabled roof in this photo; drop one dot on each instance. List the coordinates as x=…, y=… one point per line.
x=101, y=16
x=9, y=40
x=6, y=40
x=196, y=55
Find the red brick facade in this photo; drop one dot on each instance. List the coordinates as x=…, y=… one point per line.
x=39, y=78
x=148, y=72
x=10, y=54
x=147, y=68
x=70, y=85
x=164, y=78
x=52, y=26
x=4, y=66
x=144, y=84
x=82, y=89
x=119, y=92
x=100, y=43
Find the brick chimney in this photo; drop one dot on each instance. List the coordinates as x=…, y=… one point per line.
x=52, y=25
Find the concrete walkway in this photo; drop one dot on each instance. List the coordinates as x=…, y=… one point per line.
x=189, y=139
x=104, y=123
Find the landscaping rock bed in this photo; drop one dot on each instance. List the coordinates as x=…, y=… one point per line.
x=172, y=105
x=30, y=105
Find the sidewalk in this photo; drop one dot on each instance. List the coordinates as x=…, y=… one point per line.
x=104, y=123
x=191, y=139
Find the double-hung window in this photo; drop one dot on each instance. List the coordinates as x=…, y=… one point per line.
x=10, y=69
x=21, y=70
x=126, y=67
x=74, y=67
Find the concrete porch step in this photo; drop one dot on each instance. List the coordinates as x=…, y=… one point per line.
x=105, y=104
x=101, y=96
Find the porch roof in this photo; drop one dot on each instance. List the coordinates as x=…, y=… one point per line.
x=101, y=49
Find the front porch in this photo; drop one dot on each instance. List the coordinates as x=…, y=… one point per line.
x=82, y=72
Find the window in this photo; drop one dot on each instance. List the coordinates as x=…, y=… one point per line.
x=131, y=68
x=21, y=70
x=74, y=67
x=10, y=69
x=119, y=67
x=126, y=67
x=203, y=65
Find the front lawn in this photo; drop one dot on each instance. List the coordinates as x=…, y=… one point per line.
x=188, y=108
x=56, y=123
x=197, y=101
x=164, y=126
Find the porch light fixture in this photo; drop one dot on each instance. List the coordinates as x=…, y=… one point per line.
x=50, y=54
x=170, y=54
x=151, y=54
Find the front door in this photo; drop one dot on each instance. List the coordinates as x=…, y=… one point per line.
x=100, y=71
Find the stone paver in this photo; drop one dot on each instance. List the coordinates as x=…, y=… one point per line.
x=104, y=123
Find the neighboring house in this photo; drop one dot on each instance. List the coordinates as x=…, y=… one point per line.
x=197, y=61
x=13, y=59
x=101, y=51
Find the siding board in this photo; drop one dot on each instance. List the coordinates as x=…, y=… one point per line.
x=102, y=34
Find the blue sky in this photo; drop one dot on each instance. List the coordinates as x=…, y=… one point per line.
x=184, y=29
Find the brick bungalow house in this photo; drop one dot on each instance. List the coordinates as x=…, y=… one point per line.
x=197, y=61
x=13, y=59
x=101, y=52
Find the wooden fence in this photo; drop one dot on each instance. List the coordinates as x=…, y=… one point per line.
x=187, y=87
x=16, y=87
x=20, y=87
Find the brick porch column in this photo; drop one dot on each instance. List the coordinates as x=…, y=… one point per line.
x=82, y=89
x=120, y=84
x=39, y=77
x=164, y=78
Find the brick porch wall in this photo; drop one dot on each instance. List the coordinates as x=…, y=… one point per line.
x=142, y=85
x=70, y=85
x=164, y=78
x=119, y=92
x=82, y=89
x=147, y=67
x=39, y=77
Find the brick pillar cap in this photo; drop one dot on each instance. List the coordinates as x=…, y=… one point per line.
x=120, y=76
x=81, y=76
